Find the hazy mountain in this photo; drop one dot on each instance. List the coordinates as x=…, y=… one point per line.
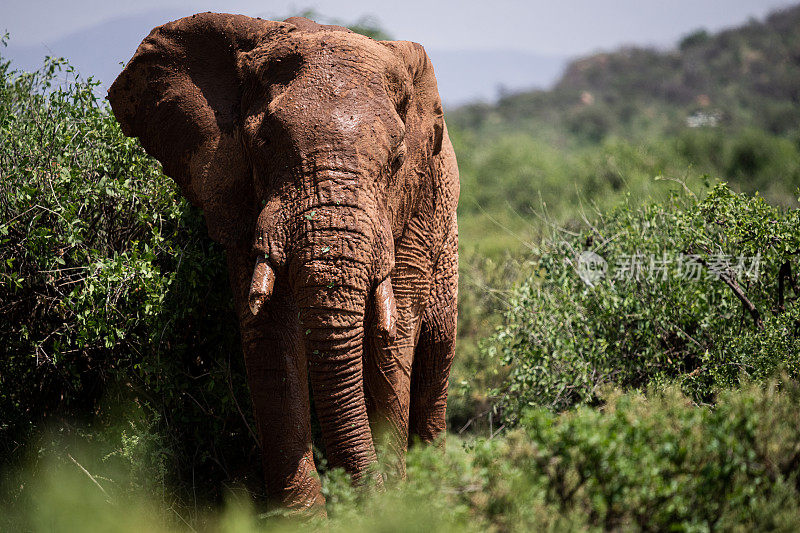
x=463, y=75
x=743, y=77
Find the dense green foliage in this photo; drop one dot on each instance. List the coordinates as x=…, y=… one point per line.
x=692, y=292
x=111, y=292
x=612, y=125
x=516, y=188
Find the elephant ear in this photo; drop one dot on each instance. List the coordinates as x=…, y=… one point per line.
x=180, y=95
x=424, y=116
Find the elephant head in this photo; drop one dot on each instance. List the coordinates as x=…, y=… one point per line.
x=302, y=143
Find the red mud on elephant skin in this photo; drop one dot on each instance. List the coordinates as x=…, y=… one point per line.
x=322, y=163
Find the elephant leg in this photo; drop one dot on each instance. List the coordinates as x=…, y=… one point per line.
x=435, y=349
x=277, y=378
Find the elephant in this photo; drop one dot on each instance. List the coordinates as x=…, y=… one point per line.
x=322, y=164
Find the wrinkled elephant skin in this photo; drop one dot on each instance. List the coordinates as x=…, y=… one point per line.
x=322, y=163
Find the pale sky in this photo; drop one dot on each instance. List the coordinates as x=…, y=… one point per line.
x=567, y=27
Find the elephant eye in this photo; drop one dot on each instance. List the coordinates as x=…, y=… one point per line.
x=403, y=106
x=399, y=157
x=280, y=70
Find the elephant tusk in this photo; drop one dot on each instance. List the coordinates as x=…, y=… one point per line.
x=262, y=284
x=386, y=310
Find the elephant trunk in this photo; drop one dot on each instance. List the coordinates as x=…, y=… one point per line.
x=334, y=283
x=334, y=334
x=339, y=265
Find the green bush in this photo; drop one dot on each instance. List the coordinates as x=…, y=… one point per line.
x=643, y=462
x=657, y=463
x=590, y=123
x=648, y=320
x=111, y=294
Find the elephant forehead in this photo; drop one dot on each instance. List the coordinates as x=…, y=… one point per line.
x=328, y=92
x=327, y=63
x=326, y=49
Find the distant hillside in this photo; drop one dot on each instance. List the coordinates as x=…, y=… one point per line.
x=748, y=76
x=101, y=49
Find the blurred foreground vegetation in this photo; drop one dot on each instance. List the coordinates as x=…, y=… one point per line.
x=652, y=461
x=644, y=401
